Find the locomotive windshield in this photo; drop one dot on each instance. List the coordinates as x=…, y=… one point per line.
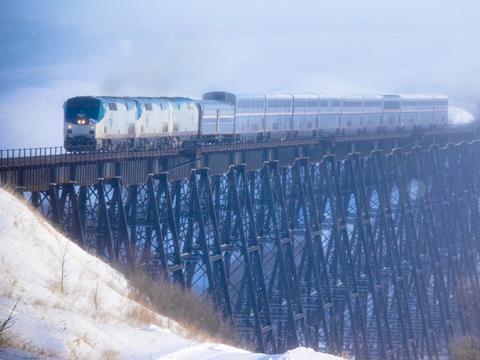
x=86, y=107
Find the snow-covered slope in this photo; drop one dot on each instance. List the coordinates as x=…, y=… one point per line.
x=457, y=115
x=88, y=312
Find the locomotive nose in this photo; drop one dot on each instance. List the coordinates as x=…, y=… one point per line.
x=82, y=119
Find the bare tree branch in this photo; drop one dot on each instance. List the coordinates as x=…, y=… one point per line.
x=10, y=320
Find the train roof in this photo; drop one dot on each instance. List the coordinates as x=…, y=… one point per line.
x=306, y=96
x=352, y=97
x=232, y=97
x=372, y=97
x=214, y=103
x=279, y=96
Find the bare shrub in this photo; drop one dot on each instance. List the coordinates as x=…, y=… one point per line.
x=7, y=324
x=466, y=348
x=63, y=270
x=96, y=297
x=467, y=299
x=179, y=304
x=141, y=315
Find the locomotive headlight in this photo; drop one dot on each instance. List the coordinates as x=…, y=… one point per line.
x=69, y=126
x=81, y=121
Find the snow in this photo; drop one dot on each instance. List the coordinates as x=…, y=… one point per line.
x=458, y=115
x=94, y=316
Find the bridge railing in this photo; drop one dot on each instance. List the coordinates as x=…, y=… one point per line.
x=10, y=157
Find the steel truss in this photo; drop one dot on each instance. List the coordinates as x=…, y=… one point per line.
x=363, y=255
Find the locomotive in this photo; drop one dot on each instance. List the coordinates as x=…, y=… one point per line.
x=108, y=123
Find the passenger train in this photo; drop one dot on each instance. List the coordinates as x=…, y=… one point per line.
x=100, y=122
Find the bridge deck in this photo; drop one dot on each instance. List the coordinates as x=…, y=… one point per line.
x=34, y=169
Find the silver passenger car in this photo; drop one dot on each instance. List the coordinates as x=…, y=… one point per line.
x=305, y=114
x=278, y=115
x=391, y=112
x=329, y=114
x=217, y=118
x=249, y=111
x=409, y=111
x=425, y=110
x=372, y=113
x=440, y=115
x=352, y=109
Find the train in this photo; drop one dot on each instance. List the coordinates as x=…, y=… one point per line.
x=113, y=123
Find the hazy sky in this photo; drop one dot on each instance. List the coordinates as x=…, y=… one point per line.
x=51, y=50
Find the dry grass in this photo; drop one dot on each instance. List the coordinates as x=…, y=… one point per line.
x=110, y=355
x=26, y=346
x=173, y=301
x=468, y=347
x=465, y=348
x=141, y=315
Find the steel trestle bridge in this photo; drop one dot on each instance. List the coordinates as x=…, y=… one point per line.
x=360, y=251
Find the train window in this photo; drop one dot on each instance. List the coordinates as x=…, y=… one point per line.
x=391, y=105
x=279, y=103
x=165, y=127
x=336, y=103
x=352, y=103
x=349, y=123
x=148, y=107
x=112, y=106
x=325, y=103
x=246, y=104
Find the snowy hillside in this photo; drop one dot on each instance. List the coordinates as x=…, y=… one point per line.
x=88, y=312
x=457, y=115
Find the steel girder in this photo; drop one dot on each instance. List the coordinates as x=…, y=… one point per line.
x=364, y=255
